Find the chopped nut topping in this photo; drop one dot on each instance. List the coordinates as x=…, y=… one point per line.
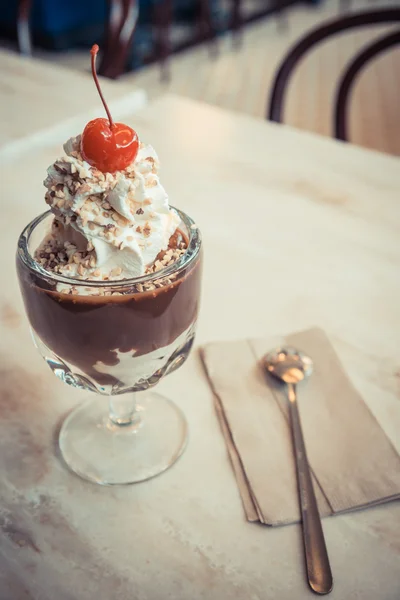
x=122, y=221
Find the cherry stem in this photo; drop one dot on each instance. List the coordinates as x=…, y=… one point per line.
x=94, y=52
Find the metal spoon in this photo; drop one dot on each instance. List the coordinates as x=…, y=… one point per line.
x=291, y=366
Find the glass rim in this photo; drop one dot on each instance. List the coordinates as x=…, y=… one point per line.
x=192, y=251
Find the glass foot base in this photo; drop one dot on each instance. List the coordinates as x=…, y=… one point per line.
x=98, y=450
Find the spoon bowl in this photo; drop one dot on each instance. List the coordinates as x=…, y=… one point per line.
x=288, y=364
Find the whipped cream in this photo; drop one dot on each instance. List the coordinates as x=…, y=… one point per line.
x=106, y=225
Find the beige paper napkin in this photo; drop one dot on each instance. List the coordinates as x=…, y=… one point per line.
x=354, y=464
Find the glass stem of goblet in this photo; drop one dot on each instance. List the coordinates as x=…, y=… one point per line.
x=123, y=410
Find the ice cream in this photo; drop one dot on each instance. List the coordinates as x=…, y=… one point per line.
x=106, y=225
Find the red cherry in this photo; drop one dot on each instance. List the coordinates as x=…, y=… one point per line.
x=108, y=148
x=106, y=145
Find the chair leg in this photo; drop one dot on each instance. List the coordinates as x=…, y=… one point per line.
x=236, y=22
x=111, y=36
x=163, y=12
x=121, y=28
x=206, y=24
x=282, y=17
x=23, y=32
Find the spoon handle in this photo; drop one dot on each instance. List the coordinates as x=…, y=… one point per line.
x=317, y=561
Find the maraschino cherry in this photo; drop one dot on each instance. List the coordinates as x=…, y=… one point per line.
x=106, y=145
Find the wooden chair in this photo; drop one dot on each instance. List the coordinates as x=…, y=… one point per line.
x=348, y=79
x=298, y=51
x=122, y=19
x=23, y=30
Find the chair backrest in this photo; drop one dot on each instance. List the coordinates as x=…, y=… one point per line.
x=302, y=47
x=348, y=79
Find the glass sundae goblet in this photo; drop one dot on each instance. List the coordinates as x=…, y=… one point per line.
x=115, y=338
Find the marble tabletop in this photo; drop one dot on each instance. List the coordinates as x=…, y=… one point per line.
x=298, y=231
